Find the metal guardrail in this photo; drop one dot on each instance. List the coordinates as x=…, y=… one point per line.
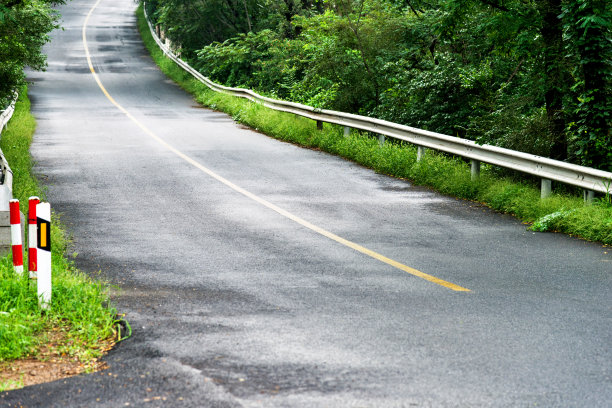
x=5, y=115
x=6, y=174
x=591, y=180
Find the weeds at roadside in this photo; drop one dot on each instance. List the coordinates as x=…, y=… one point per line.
x=606, y=200
x=78, y=303
x=10, y=385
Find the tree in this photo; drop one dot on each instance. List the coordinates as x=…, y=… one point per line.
x=24, y=28
x=588, y=29
x=555, y=74
x=192, y=24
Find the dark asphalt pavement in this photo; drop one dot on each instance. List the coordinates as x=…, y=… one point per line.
x=234, y=305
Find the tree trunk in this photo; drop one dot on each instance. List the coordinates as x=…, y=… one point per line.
x=552, y=37
x=248, y=17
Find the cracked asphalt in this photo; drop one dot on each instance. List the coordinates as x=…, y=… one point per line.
x=234, y=305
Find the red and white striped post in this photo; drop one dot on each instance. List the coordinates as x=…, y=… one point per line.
x=32, y=240
x=16, y=236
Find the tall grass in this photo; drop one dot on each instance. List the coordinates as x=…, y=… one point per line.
x=448, y=175
x=79, y=305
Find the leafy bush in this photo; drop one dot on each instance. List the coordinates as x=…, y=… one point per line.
x=24, y=28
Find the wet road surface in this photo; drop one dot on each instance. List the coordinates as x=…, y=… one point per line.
x=235, y=305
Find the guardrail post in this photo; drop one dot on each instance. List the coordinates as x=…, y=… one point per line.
x=546, y=188
x=347, y=131
x=319, y=125
x=381, y=140
x=589, y=195
x=475, y=169
x=420, y=153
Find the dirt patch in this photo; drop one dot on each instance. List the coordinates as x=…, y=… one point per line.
x=48, y=365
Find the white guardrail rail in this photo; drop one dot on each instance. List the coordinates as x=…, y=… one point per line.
x=6, y=174
x=591, y=180
x=6, y=186
x=5, y=115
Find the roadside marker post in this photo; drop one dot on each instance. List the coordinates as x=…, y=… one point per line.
x=32, y=239
x=17, y=245
x=43, y=235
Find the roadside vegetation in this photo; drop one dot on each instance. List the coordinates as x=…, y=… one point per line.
x=529, y=75
x=79, y=326
x=564, y=211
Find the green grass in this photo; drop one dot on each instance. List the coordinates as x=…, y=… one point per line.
x=79, y=304
x=10, y=385
x=446, y=174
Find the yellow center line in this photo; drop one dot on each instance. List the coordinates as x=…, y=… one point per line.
x=252, y=196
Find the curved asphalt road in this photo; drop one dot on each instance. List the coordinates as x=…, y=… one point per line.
x=234, y=305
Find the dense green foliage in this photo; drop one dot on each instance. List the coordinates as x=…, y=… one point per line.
x=79, y=306
x=531, y=75
x=24, y=28
x=565, y=213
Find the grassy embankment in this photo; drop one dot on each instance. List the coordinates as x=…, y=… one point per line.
x=79, y=322
x=562, y=212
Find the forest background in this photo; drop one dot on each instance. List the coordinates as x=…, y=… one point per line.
x=529, y=75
